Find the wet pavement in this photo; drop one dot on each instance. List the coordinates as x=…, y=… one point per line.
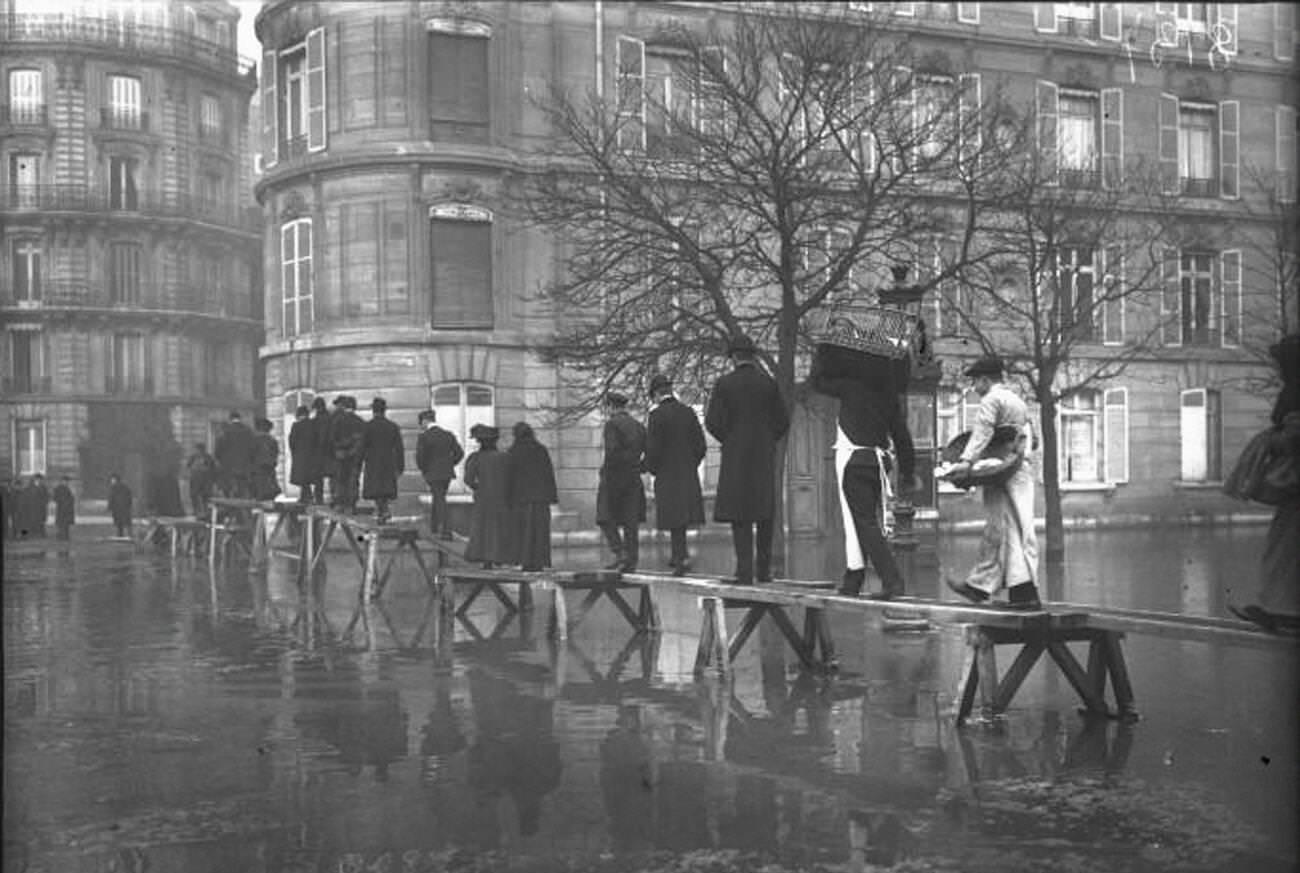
x=159, y=717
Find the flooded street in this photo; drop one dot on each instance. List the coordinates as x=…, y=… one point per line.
x=162, y=718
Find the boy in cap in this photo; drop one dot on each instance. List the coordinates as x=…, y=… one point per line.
x=1008, y=551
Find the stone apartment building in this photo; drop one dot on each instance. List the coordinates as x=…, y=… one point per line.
x=394, y=267
x=129, y=285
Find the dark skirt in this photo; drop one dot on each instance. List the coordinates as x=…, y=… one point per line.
x=533, y=526
x=489, y=534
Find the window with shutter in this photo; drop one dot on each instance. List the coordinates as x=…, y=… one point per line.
x=460, y=243
x=1284, y=152
x=26, y=97
x=26, y=264
x=1201, y=435
x=1113, y=293
x=29, y=446
x=630, y=93
x=122, y=190
x=1081, y=438
x=1197, y=304
x=1230, y=297
x=296, y=277
x=459, y=92
x=1075, y=277
x=27, y=362
x=1048, y=110
x=1115, y=425
x=124, y=281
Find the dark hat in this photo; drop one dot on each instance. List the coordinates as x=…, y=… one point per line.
x=987, y=366
x=613, y=398
x=379, y=404
x=318, y=404
x=301, y=412
x=427, y=414
x=741, y=343
x=486, y=432
x=660, y=382
x=341, y=400
x=523, y=430
x=349, y=402
x=234, y=415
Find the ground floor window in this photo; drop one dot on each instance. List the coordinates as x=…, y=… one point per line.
x=459, y=406
x=29, y=446
x=1092, y=434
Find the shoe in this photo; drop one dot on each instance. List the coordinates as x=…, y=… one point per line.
x=1024, y=597
x=851, y=583
x=627, y=568
x=969, y=592
x=884, y=595
x=1034, y=605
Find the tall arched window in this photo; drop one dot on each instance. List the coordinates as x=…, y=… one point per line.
x=296, y=273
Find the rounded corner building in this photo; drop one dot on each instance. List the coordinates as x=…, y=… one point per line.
x=389, y=132
x=130, y=290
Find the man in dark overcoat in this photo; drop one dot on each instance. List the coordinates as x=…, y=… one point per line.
x=345, y=440
x=673, y=451
x=234, y=453
x=38, y=505
x=620, y=497
x=302, y=454
x=119, y=505
x=266, y=456
x=747, y=416
x=384, y=458
x=318, y=445
x=437, y=452
x=202, y=470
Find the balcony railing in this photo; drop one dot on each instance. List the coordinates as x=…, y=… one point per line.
x=131, y=36
x=117, y=118
x=1083, y=28
x=29, y=385
x=1200, y=187
x=169, y=204
x=25, y=114
x=201, y=299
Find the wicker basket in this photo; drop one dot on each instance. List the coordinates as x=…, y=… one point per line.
x=876, y=330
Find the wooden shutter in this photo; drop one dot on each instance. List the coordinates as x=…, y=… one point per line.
x=1283, y=31
x=1171, y=306
x=630, y=92
x=904, y=139
x=1045, y=17
x=1112, y=21
x=1284, y=117
x=1229, y=159
x=316, y=101
x=1230, y=297
x=270, y=111
x=1115, y=424
x=461, y=253
x=1113, y=290
x=1168, y=143
x=1048, y=106
x=1112, y=137
x=968, y=13
x=968, y=120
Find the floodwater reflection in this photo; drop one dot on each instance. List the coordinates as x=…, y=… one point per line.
x=162, y=716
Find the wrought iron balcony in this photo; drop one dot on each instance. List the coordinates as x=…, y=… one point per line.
x=168, y=204
x=1200, y=187
x=118, y=118
x=27, y=385
x=1083, y=28
x=136, y=38
x=198, y=299
x=24, y=114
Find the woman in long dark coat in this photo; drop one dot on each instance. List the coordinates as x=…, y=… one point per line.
x=489, y=526
x=384, y=457
x=530, y=491
x=266, y=454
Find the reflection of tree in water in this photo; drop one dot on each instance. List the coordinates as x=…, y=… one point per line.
x=515, y=751
x=627, y=782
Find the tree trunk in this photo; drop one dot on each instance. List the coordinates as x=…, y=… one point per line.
x=1054, y=539
x=785, y=379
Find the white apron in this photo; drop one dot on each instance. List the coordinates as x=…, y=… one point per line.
x=844, y=449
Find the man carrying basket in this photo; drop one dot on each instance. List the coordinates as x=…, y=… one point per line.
x=1008, y=551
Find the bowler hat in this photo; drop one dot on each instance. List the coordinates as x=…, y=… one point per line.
x=487, y=433
x=741, y=343
x=986, y=366
x=379, y=404
x=660, y=382
x=341, y=400
x=613, y=398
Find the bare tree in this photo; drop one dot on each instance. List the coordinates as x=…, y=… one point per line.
x=1069, y=282
x=746, y=177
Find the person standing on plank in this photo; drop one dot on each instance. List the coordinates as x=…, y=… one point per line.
x=620, y=497
x=747, y=415
x=870, y=431
x=1008, y=550
x=384, y=456
x=673, y=451
x=437, y=452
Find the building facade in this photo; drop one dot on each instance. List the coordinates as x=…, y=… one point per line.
x=129, y=291
x=394, y=264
